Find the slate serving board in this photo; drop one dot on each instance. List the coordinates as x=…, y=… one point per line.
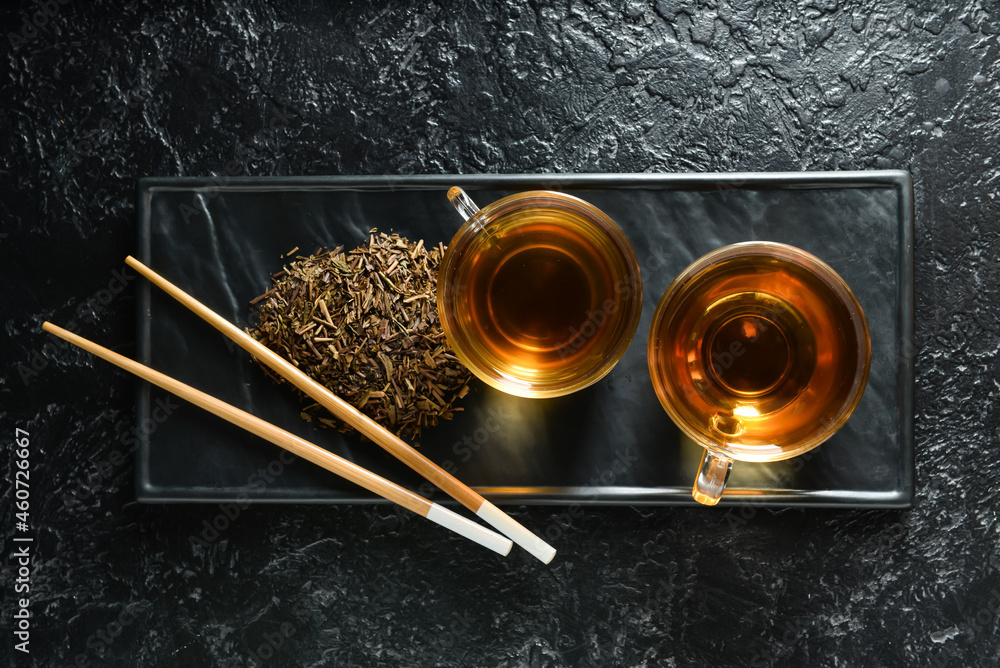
x=220, y=239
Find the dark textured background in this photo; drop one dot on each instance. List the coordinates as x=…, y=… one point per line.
x=105, y=92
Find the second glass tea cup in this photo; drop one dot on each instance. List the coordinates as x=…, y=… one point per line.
x=759, y=352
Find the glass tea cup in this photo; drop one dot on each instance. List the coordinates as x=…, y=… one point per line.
x=759, y=352
x=539, y=293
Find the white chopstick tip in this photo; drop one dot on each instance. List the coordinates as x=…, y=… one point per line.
x=512, y=528
x=469, y=529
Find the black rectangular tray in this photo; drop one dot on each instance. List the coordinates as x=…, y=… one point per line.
x=220, y=239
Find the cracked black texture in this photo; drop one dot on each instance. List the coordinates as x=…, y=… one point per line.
x=96, y=96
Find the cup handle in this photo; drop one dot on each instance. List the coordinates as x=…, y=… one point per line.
x=462, y=202
x=711, y=479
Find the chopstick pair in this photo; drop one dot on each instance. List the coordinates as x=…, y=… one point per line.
x=346, y=412
x=298, y=446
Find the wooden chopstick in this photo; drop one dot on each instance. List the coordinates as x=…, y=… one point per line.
x=352, y=416
x=299, y=446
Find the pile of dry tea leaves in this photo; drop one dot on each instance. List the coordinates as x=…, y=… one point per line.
x=365, y=325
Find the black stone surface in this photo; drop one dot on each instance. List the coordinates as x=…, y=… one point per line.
x=94, y=97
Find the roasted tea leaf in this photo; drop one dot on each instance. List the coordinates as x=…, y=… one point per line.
x=365, y=325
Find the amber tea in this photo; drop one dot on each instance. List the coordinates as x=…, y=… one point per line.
x=538, y=298
x=543, y=301
x=759, y=352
